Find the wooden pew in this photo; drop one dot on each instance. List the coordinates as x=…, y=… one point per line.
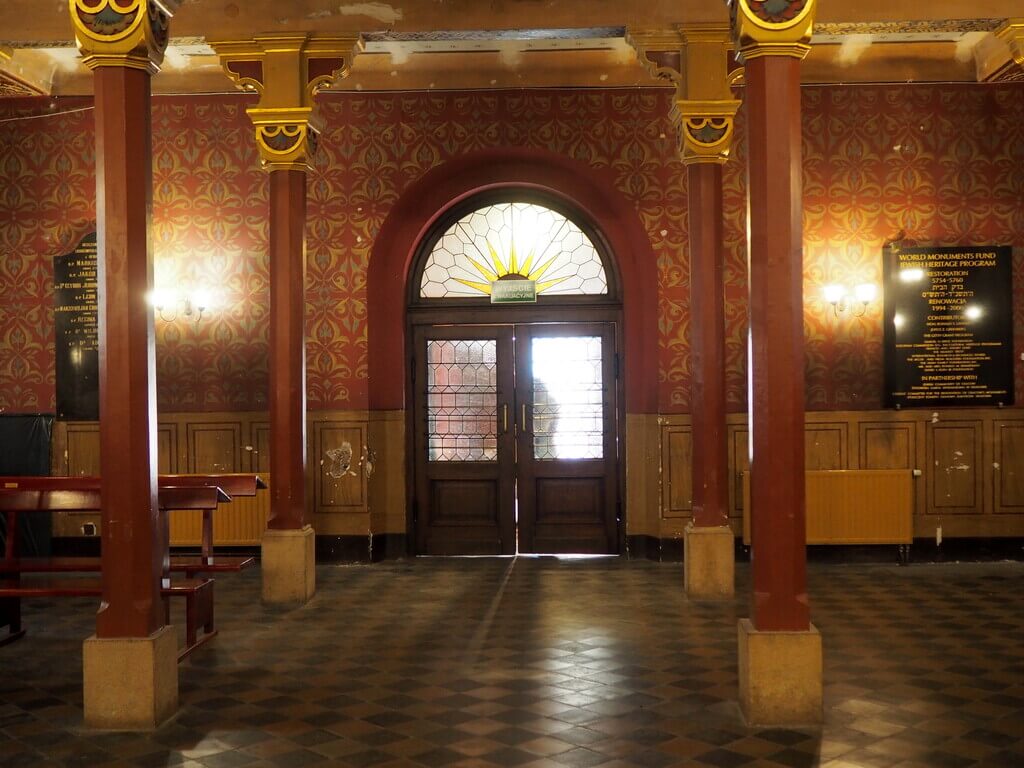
x=198, y=593
x=233, y=484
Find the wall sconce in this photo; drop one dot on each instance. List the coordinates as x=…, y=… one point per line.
x=841, y=301
x=169, y=305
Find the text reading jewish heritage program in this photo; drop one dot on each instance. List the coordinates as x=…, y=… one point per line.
x=948, y=326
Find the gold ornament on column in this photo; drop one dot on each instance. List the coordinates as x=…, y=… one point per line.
x=706, y=130
x=695, y=58
x=122, y=33
x=287, y=71
x=772, y=27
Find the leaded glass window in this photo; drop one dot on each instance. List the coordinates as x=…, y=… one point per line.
x=508, y=241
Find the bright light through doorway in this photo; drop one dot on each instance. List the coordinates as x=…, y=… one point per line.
x=568, y=412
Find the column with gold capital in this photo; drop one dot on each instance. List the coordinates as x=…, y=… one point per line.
x=780, y=660
x=130, y=666
x=286, y=71
x=695, y=57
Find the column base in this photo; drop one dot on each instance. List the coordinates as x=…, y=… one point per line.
x=709, y=562
x=130, y=683
x=780, y=676
x=289, y=566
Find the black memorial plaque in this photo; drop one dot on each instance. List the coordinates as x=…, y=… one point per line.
x=77, y=332
x=948, y=326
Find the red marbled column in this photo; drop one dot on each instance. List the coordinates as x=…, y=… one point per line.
x=707, y=343
x=287, y=350
x=776, y=344
x=134, y=546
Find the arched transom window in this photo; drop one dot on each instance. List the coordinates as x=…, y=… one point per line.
x=513, y=241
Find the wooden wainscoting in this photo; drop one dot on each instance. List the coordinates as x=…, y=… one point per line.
x=971, y=462
x=337, y=452
x=853, y=506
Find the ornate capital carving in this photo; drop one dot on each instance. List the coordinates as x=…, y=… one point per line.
x=287, y=71
x=772, y=27
x=122, y=33
x=706, y=129
x=695, y=57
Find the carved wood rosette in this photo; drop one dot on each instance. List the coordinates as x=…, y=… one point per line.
x=122, y=33
x=695, y=58
x=772, y=27
x=286, y=71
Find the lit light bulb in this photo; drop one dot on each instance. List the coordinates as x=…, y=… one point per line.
x=973, y=312
x=865, y=292
x=202, y=299
x=834, y=293
x=161, y=297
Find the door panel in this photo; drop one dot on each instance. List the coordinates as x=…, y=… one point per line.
x=566, y=449
x=464, y=449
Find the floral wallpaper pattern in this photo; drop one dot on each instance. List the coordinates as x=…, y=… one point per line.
x=941, y=163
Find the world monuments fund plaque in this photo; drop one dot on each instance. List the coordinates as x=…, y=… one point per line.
x=948, y=326
x=76, y=337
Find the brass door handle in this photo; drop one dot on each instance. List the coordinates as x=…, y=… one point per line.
x=523, y=418
x=504, y=418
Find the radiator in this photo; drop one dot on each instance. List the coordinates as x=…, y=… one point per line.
x=853, y=506
x=239, y=522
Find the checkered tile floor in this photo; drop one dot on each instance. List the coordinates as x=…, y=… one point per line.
x=545, y=662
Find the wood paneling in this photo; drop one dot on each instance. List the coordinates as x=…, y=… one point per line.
x=887, y=445
x=1009, y=466
x=167, y=449
x=825, y=446
x=739, y=465
x=955, y=472
x=339, y=488
x=83, y=449
x=677, y=455
x=259, y=456
x=214, y=446
x=986, y=499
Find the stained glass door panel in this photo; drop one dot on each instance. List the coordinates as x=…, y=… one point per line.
x=567, y=484
x=464, y=446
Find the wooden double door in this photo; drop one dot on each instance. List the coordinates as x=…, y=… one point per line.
x=515, y=439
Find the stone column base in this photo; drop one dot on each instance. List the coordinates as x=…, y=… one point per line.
x=709, y=562
x=130, y=683
x=289, y=566
x=780, y=676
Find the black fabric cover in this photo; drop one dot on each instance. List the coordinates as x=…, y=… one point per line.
x=25, y=450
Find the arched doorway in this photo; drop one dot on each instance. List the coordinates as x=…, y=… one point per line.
x=515, y=326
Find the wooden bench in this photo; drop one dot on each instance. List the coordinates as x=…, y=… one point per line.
x=190, y=565
x=233, y=484
x=198, y=594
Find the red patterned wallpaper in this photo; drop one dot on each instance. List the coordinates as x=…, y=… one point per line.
x=941, y=162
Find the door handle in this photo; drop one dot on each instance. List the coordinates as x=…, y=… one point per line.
x=523, y=418
x=504, y=418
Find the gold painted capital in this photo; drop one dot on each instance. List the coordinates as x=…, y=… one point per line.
x=772, y=27
x=706, y=130
x=696, y=58
x=122, y=33
x=286, y=71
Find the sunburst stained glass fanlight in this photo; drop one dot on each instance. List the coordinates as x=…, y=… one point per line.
x=513, y=241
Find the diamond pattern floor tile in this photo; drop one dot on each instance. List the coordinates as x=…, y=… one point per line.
x=547, y=662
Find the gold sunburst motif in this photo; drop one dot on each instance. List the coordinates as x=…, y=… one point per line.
x=504, y=268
